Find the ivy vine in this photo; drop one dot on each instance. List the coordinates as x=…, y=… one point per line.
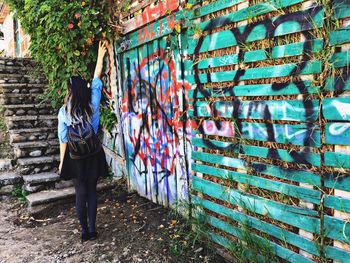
x=63, y=38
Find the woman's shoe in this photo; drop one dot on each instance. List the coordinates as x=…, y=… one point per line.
x=85, y=237
x=93, y=235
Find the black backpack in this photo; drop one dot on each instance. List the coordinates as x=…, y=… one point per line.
x=82, y=141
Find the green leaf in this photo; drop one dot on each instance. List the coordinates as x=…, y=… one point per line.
x=77, y=53
x=56, y=48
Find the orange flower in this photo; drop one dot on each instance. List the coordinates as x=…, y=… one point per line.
x=89, y=41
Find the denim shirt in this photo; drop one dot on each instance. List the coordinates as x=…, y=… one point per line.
x=64, y=119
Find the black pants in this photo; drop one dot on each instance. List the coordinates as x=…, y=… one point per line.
x=86, y=204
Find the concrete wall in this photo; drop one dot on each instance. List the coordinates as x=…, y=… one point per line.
x=9, y=44
x=9, y=34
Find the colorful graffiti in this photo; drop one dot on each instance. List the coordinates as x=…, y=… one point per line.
x=109, y=76
x=245, y=139
x=158, y=29
x=149, y=14
x=154, y=119
x=265, y=132
x=300, y=110
x=113, y=140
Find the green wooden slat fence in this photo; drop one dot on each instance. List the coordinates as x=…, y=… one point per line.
x=246, y=13
x=303, y=157
x=239, y=106
x=276, y=52
x=297, y=134
x=309, y=19
x=265, y=85
x=273, y=89
x=287, y=110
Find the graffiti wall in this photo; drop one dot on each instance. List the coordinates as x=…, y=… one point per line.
x=269, y=114
x=113, y=140
x=240, y=108
x=154, y=116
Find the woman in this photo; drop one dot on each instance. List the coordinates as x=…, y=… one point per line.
x=82, y=104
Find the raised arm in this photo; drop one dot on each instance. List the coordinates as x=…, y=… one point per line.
x=102, y=49
x=96, y=87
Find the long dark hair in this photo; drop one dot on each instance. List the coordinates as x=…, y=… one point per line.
x=78, y=99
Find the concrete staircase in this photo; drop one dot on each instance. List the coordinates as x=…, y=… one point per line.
x=29, y=149
x=31, y=124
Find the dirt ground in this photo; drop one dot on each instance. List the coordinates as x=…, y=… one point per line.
x=131, y=229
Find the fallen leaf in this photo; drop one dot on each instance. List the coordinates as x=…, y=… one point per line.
x=198, y=250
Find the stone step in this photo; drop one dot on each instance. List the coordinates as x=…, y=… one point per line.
x=10, y=64
x=17, y=122
x=5, y=165
x=38, y=106
x=9, y=178
x=35, y=144
x=35, y=148
x=34, y=165
x=37, y=182
x=41, y=178
x=50, y=196
x=22, y=88
x=38, y=160
x=17, y=99
x=16, y=69
x=22, y=85
x=33, y=134
x=27, y=109
x=11, y=80
x=17, y=62
x=15, y=77
x=63, y=184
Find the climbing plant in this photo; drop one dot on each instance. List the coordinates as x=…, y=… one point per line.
x=108, y=118
x=63, y=36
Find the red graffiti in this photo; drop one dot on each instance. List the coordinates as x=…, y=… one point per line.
x=150, y=32
x=150, y=14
